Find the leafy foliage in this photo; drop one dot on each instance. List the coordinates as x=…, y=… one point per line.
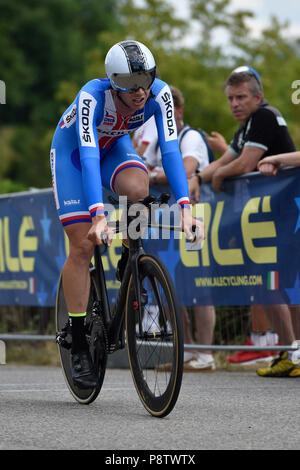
x=43, y=44
x=50, y=49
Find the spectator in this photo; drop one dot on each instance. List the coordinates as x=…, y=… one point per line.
x=261, y=335
x=269, y=166
x=262, y=132
x=144, y=135
x=195, y=157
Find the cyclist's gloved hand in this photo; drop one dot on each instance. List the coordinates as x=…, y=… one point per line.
x=98, y=228
x=197, y=242
x=193, y=228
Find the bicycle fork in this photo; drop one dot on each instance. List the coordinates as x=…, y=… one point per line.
x=140, y=294
x=116, y=324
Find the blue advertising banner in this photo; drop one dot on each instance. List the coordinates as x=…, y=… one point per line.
x=251, y=254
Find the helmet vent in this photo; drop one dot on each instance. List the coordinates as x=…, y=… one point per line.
x=135, y=57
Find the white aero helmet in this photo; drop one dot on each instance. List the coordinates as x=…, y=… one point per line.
x=130, y=65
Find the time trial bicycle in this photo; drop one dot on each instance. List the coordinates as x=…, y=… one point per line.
x=155, y=353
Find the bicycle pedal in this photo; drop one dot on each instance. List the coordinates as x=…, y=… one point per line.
x=96, y=309
x=60, y=339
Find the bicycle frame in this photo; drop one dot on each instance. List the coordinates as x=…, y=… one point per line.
x=115, y=323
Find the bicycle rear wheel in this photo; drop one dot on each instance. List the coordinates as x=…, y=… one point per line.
x=96, y=338
x=155, y=347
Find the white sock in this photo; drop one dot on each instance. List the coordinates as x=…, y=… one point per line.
x=272, y=338
x=188, y=355
x=205, y=357
x=258, y=339
x=294, y=355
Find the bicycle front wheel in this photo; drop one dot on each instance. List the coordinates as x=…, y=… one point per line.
x=155, y=342
x=95, y=336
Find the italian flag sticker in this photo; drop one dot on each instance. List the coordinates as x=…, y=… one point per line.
x=273, y=280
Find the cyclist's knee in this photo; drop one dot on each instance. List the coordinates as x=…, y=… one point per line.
x=138, y=190
x=136, y=194
x=82, y=252
x=134, y=184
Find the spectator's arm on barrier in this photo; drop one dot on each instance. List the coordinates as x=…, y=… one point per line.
x=209, y=171
x=245, y=163
x=268, y=166
x=206, y=175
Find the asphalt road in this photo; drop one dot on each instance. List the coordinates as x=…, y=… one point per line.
x=220, y=410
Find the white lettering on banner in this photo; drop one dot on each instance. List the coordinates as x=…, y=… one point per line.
x=166, y=104
x=87, y=105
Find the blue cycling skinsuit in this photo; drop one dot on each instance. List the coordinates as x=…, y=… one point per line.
x=91, y=145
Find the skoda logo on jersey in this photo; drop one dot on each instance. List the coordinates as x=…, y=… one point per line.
x=86, y=121
x=165, y=101
x=166, y=97
x=87, y=104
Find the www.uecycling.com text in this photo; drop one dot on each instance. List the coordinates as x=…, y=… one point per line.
x=232, y=281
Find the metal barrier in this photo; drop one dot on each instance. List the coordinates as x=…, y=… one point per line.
x=2, y=353
x=213, y=347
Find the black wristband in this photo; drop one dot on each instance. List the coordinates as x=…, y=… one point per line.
x=197, y=173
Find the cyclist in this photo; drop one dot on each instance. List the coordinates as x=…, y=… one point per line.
x=91, y=147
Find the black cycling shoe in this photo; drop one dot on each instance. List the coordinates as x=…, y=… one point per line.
x=83, y=373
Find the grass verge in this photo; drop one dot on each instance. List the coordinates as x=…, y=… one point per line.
x=38, y=353
x=45, y=353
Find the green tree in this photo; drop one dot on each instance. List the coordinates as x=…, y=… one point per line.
x=42, y=44
x=211, y=16
x=50, y=49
